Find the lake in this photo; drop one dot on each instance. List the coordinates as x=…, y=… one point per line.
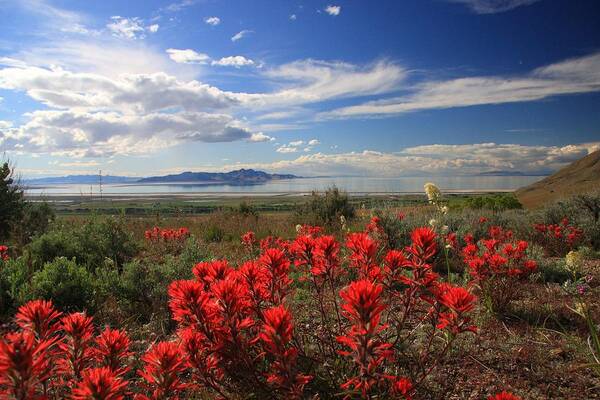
x=353, y=185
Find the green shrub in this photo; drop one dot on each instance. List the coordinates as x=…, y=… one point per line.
x=326, y=208
x=213, y=234
x=14, y=275
x=90, y=244
x=68, y=285
x=35, y=220
x=495, y=202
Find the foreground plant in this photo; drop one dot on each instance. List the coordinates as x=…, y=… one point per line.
x=497, y=264
x=376, y=324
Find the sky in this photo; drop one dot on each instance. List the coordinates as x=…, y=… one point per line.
x=385, y=88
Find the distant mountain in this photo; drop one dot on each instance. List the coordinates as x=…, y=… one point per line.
x=579, y=177
x=79, y=179
x=509, y=173
x=232, y=177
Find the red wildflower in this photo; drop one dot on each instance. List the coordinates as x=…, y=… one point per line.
x=249, y=239
x=209, y=272
x=191, y=305
x=276, y=334
x=402, y=387
x=460, y=301
x=39, y=317
x=4, y=253
x=303, y=249
x=363, y=307
x=276, y=266
x=75, y=347
x=100, y=383
x=327, y=251
x=424, y=245
x=364, y=251
x=24, y=365
x=112, y=349
x=504, y=396
x=163, y=364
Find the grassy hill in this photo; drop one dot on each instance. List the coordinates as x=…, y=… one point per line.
x=579, y=177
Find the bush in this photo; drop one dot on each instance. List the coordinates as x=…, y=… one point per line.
x=495, y=202
x=89, y=244
x=213, y=234
x=326, y=208
x=68, y=285
x=36, y=220
x=14, y=275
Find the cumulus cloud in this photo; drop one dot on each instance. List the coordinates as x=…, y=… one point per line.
x=187, y=56
x=287, y=149
x=494, y=6
x=578, y=75
x=434, y=160
x=233, y=61
x=153, y=28
x=95, y=134
x=214, y=21
x=260, y=137
x=141, y=93
x=241, y=35
x=333, y=10
x=293, y=17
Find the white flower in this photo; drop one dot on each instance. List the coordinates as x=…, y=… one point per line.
x=444, y=209
x=432, y=222
x=298, y=228
x=433, y=192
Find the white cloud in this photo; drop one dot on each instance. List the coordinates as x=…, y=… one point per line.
x=293, y=17
x=578, y=75
x=434, y=160
x=260, y=137
x=187, y=56
x=285, y=149
x=313, y=142
x=96, y=134
x=233, y=61
x=241, y=35
x=333, y=10
x=297, y=143
x=153, y=28
x=311, y=81
x=494, y=6
x=214, y=21
x=130, y=28
x=178, y=6
x=140, y=93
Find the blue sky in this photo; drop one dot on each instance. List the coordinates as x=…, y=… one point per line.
x=385, y=88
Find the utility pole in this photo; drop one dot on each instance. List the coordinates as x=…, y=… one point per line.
x=100, y=182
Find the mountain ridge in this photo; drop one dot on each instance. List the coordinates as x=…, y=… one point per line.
x=235, y=176
x=578, y=177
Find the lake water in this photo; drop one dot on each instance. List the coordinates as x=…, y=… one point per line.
x=353, y=185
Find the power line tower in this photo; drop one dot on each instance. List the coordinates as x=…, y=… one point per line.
x=100, y=183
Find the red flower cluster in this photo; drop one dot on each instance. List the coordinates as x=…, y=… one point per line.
x=504, y=396
x=497, y=263
x=4, y=253
x=236, y=332
x=496, y=256
x=157, y=234
x=55, y=356
x=249, y=240
x=558, y=239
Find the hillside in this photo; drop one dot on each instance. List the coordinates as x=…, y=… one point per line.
x=579, y=177
x=238, y=176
